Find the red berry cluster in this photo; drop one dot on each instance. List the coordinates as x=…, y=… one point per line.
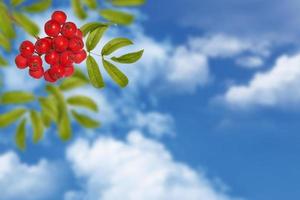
x=62, y=48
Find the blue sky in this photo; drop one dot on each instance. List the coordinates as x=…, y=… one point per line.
x=212, y=112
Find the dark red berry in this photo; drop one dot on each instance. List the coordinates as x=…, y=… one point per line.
x=59, y=16
x=60, y=43
x=42, y=46
x=26, y=49
x=75, y=44
x=56, y=71
x=66, y=58
x=21, y=61
x=69, y=70
x=49, y=39
x=37, y=74
x=78, y=34
x=69, y=29
x=52, y=57
x=79, y=57
x=35, y=62
x=52, y=28
x=48, y=77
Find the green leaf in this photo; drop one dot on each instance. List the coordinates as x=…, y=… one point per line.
x=4, y=42
x=11, y=116
x=16, y=2
x=92, y=4
x=115, y=73
x=85, y=121
x=78, y=9
x=39, y=6
x=6, y=25
x=94, y=73
x=114, y=45
x=127, y=2
x=3, y=62
x=88, y=27
x=49, y=110
x=16, y=97
x=72, y=83
x=117, y=17
x=94, y=37
x=20, y=137
x=83, y=101
x=63, y=123
x=37, y=126
x=129, y=58
x=26, y=23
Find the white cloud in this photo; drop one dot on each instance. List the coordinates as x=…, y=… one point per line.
x=250, y=62
x=19, y=180
x=136, y=169
x=278, y=86
x=155, y=123
x=220, y=45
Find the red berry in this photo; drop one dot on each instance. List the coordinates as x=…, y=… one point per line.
x=35, y=62
x=48, y=77
x=56, y=71
x=69, y=29
x=37, y=74
x=79, y=57
x=49, y=39
x=60, y=43
x=42, y=46
x=69, y=70
x=21, y=62
x=66, y=58
x=52, y=28
x=59, y=16
x=78, y=34
x=26, y=49
x=75, y=44
x=52, y=57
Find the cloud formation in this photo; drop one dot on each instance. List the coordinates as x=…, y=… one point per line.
x=135, y=169
x=19, y=180
x=277, y=87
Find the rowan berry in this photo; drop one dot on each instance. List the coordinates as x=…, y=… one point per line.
x=26, y=48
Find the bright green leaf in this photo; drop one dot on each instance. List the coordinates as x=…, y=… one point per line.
x=127, y=2
x=11, y=116
x=4, y=42
x=38, y=6
x=16, y=2
x=94, y=73
x=117, y=17
x=26, y=23
x=83, y=101
x=20, y=137
x=63, y=123
x=115, y=73
x=16, y=97
x=72, y=83
x=3, y=62
x=37, y=126
x=129, y=58
x=114, y=45
x=92, y=4
x=49, y=110
x=94, y=37
x=6, y=25
x=88, y=27
x=84, y=120
x=78, y=9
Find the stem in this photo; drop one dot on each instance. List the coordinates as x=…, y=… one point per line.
x=95, y=54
